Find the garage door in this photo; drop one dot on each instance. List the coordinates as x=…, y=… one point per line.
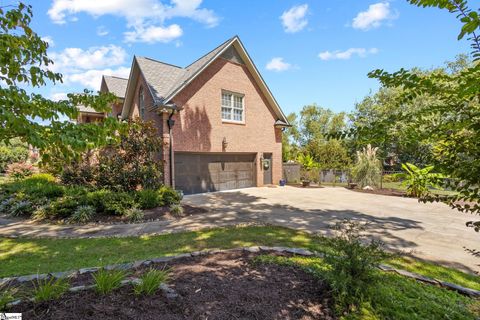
x=196, y=173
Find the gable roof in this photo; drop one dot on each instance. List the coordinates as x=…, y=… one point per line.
x=165, y=81
x=116, y=85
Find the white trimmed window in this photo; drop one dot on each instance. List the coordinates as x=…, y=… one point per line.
x=232, y=107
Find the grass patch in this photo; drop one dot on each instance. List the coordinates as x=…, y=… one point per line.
x=395, y=297
x=23, y=256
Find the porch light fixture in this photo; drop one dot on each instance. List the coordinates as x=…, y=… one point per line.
x=224, y=143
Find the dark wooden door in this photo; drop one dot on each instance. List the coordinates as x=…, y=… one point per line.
x=206, y=172
x=267, y=169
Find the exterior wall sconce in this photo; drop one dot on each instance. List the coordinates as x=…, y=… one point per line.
x=224, y=143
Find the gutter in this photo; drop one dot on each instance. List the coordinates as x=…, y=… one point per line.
x=170, y=123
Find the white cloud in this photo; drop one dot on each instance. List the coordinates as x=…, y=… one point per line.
x=278, y=64
x=102, y=31
x=154, y=34
x=374, y=17
x=294, y=19
x=57, y=96
x=71, y=59
x=347, y=54
x=49, y=40
x=140, y=15
x=92, y=78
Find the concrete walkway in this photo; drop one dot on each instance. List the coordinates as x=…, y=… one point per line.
x=429, y=231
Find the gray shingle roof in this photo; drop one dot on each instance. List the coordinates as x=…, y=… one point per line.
x=85, y=109
x=164, y=79
x=116, y=85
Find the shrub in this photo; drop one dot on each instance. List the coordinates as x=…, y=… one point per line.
x=151, y=281
x=391, y=178
x=169, y=196
x=16, y=151
x=49, y=289
x=176, y=209
x=64, y=207
x=107, y=281
x=368, y=169
x=20, y=170
x=82, y=214
x=353, y=262
x=21, y=208
x=36, y=186
x=418, y=180
x=134, y=214
x=148, y=199
x=111, y=202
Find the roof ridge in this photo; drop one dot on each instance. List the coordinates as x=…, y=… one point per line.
x=106, y=75
x=223, y=43
x=158, y=61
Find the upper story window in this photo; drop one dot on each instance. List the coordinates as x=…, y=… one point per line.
x=232, y=107
x=141, y=103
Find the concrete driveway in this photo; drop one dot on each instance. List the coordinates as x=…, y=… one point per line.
x=429, y=231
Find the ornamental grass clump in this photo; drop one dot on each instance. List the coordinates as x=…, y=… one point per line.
x=49, y=289
x=368, y=169
x=151, y=281
x=108, y=280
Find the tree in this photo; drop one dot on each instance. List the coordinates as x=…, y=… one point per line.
x=36, y=120
x=290, y=138
x=456, y=152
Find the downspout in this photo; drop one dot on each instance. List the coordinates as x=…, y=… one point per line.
x=170, y=123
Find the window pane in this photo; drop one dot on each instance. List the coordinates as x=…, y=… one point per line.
x=237, y=103
x=238, y=114
x=226, y=99
x=226, y=113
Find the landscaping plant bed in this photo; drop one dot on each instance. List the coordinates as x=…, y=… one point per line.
x=155, y=214
x=384, y=192
x=227, y=285
x=299, y=185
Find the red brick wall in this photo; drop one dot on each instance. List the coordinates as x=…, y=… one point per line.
x=199, y=127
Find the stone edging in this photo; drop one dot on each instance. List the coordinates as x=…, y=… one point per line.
x=170, y=293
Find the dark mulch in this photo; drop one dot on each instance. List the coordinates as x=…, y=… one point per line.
x=159, y=213
x=311, y=186
x=385, y=192
x=220, y=286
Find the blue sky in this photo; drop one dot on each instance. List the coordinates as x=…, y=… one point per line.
x=307, y=51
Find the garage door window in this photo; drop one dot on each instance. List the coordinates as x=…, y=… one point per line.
x=232, y=107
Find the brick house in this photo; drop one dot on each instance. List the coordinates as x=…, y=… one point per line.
x=220, y=124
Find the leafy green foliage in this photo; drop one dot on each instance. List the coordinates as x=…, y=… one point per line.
x=49, y=289
x=20, y=170
x=148, y=199
x=134, y=214
x=64, y=207
x=169, y=196
x=108, y=280
x=25, y=63
x=176, y=210
x=367, y=170
x=7, y=295
x=82, y=214
x=15, y=151
x=353, y=263
x=419, y=180
x=151, y=281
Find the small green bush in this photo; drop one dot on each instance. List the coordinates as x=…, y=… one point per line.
x=169, y=196
x=111, y=202
x=391, y=178
x=148, y=199
x=176, y=210
x=134, y=214
x=107, y=281
x=151, y=281
x=49, y=289
x=64, y=207
x=353, y=265
x=82, y=214
x=36, y=186
x=16, y=151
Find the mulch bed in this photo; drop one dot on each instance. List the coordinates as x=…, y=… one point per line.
x=384, y=192
x=299, y=185
x=220, y=286
x=159, y=213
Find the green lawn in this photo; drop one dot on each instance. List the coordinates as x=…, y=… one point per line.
x=396, y=297
x=27, y=256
